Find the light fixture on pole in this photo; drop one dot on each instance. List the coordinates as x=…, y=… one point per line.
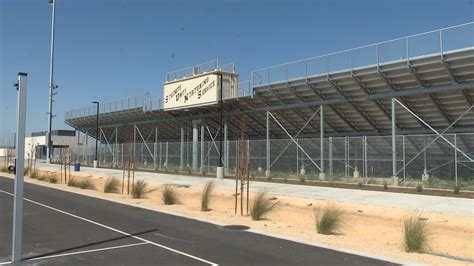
x=96, y=160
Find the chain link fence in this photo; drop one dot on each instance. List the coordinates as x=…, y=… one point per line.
x=362, y=159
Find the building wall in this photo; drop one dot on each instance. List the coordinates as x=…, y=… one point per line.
x=32, y=143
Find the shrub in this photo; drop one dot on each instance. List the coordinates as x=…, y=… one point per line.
x=42, y=178
x=262, y=205
x=111, y=185
x=140, y=189
x=85, y=183
x=53, y=179
x=416, y=233
x=385, y=185
x=33, y=174
x=419, y=188
x=206, y=196
x=168, y=195
x=457, y=189
x=360, y=184
x=27, y=171
x=302, y=179
x=330, y=220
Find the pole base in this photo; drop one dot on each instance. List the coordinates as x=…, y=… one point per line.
x=96, y=164
x=322, y=176
x=267, y=173
x=220, y=172
x=48, y=160
x=395, y=180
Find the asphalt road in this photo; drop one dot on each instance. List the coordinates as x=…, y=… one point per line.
x=62, y=228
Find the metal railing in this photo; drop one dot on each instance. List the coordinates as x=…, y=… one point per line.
x=198, y=69
x=114, y=106
x=418, y=45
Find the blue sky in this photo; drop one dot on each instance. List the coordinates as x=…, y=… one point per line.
x=113, y=49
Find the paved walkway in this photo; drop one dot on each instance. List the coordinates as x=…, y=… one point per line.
x=459, y=206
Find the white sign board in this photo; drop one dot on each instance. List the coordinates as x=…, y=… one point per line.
x=200, y=90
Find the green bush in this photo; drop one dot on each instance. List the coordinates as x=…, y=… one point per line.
x=385, y=185
x=416, y=233
x=302, y=179
x=52, y=179
x=140, y=189
x=85, y=183
x=419, y=188
x=330, y=220
x=262, y=205
x=457, y=189
x=34, y=175
x=168, y=195
x=111, y=185
x=206, y=196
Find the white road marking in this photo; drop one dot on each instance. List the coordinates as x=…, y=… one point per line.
x=88, y=251
x=115, y=230
x=5, y=262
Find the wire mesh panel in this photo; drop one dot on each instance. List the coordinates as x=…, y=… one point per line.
x=431, y=160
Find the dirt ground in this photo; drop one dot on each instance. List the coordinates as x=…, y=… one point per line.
x=372, y=229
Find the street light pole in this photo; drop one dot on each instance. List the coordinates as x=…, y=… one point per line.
x=96, y=161
x=220, y=168
x=51, y=85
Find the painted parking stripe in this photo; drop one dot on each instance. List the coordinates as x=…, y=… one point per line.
x=88, y=251
x=116, y=230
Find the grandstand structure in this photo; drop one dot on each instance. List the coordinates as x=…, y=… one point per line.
x=399, y=109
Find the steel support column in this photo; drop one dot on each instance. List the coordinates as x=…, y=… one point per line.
x=181, y=150
x=195, y=146
x=166, y=155
x=202, y=146
x=226, y=147
x=394, y=147
x=322, y=176
x=267, y=170
x=155, y=149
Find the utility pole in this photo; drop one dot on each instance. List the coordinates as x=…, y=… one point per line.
x=19, y=167
x=51, y=86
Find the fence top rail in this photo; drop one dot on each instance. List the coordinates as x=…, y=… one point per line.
x=362, y=47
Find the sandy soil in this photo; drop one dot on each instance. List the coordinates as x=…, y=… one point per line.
x=372, y=229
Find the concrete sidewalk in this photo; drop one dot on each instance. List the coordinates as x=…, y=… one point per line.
x=459, y=206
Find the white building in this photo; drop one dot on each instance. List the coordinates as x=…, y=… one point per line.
x=35, y=145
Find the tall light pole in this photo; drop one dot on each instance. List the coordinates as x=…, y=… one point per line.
x=220, y=168
x=51, y=86
x=96, y=161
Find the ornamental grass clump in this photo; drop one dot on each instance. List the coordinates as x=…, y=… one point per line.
x=169, y=195
x=206, y=196
x=416, y=233
x=85, y=183
x=111, y=185
x=140, y=189
x=262, y=205
x=330, y=220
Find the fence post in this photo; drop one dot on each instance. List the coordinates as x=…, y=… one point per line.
x=455, y=160
x=365, y=160
x=404, y=158
x=331, y=173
